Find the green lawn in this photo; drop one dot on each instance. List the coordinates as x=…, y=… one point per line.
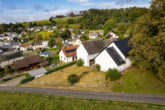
x=27, y=101
x=139, y=81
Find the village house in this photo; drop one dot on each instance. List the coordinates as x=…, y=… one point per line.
x=112, y=36
x=40, y=45
x=9, y=57
x=24, y=47
x=68, y=54
x=115, y=56
x=87, y=51
x=93, y=35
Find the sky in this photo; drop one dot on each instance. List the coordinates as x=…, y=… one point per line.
x=32, y=10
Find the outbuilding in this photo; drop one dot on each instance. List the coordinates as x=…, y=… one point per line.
x=38, y=72
x=115, y=56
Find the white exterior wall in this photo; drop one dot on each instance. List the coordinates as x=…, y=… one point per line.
x=23, y=48
x=105, y=61
x=93, y=36
x=64, y=58
x=82, y=54
x=45, y=44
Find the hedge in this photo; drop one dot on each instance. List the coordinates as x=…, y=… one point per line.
x=27, y=80
x=61, y=67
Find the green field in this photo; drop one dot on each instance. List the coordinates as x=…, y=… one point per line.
x=139, y=81
x=27, y=101
x=59, y=21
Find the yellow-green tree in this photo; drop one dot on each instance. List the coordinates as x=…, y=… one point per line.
x=149, y=40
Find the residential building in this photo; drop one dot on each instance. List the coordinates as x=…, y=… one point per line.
x=25, y=47
x=94, y=35
x=87, y=51
x=68, y=54
x=115, y=56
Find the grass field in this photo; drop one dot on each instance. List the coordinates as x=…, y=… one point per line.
x=59, y=21
x=92, y=80
x=134, y=80
x=26, y=101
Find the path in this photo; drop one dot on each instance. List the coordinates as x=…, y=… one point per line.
x=131, y=97
x=13, y=82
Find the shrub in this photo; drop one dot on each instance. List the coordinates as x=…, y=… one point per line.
x=112, y=74
x=27, y=80
x=97, y=67
x=80, y=62
x=27, y=75
x=73, y=78
x=60, y=67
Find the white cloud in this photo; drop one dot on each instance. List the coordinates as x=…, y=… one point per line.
x=114, y=5
x=40, y=16
x=16, y=11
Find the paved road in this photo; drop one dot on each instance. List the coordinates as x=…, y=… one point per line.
x=13, y=82
x=131, y=97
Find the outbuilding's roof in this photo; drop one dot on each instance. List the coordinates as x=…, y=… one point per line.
x=40, y=71
x=11, y=55
x=93, y=47
x=45, y=53
x=115, y=56
x=27, y=61
x=123, y=46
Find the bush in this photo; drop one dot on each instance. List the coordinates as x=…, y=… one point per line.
x=112, y=74
x=27, y=80
x=80, y=62
x=27, y=76
x=60, y=67
x=72, y=79
x=97, y=67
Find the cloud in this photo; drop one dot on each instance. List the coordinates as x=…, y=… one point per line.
x=111, y=5
x=16, y=11
x=40, y=16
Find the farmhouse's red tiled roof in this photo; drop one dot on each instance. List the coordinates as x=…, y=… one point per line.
x=69, y=50
x=25, y=45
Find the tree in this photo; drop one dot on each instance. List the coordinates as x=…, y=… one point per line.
x=51, y=42
x=59, y=42
x=38, y=37
x=109, y=25
x=71, y=14
x=84, y=37
x=6, y=69
x=148, y=40
x=66, y=34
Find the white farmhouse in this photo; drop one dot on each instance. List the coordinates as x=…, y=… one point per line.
x=68, y=54
x=25, y=47
x=115, y=56
x=93, y=35
x=87, y=51
x=111, y=36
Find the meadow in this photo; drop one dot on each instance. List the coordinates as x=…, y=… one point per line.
x=27, y=101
